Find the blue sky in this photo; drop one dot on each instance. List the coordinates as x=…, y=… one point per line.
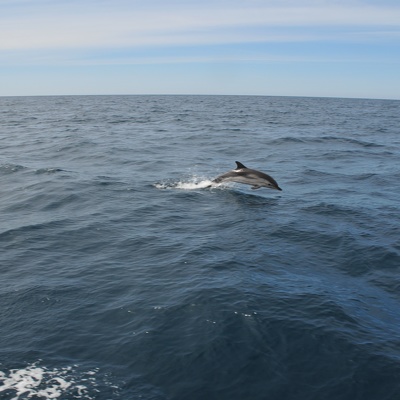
x=348, y=48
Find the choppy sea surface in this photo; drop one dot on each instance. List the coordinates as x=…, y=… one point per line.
x=123, y=276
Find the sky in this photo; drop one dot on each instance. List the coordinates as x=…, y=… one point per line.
x=327, y=48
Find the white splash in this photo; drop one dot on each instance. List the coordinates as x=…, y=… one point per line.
x=41, y=383
x=193, y=183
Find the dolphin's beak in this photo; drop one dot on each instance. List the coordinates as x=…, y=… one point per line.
x=278, y=188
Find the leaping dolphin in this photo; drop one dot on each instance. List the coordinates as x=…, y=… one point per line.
x=248, y=176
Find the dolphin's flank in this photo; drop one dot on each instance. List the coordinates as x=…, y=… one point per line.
x=248, y=176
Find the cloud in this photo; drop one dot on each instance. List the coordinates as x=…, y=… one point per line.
x=28, y=25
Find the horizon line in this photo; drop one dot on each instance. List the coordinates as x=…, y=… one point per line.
x=205, y=95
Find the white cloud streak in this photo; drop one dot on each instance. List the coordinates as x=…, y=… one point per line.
x=113, y=24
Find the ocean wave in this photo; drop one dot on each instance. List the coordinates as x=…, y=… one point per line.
x=20, y=227
x=48, y=170
x=310, y=140
x=11, y=168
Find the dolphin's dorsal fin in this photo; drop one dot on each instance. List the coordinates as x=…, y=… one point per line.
x=239, y=165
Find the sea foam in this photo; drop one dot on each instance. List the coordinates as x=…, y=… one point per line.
x=35, y=381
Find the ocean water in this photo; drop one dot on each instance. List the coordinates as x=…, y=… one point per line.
x=123, y=276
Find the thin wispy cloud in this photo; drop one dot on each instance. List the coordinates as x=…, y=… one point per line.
x=55, y=25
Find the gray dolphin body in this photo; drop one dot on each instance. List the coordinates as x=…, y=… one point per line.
x=248, y=176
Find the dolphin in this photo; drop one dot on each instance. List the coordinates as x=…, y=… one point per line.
x=242, y=174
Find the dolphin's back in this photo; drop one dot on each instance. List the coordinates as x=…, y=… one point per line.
x=227, y=177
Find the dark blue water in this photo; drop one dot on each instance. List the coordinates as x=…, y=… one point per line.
x=123, y=277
